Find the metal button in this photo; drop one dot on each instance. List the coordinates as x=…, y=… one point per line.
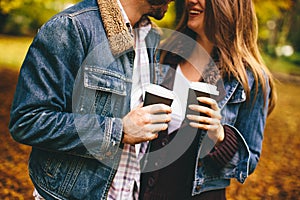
x=164, y=142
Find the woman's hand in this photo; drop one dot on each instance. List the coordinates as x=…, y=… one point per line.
x=211, y=122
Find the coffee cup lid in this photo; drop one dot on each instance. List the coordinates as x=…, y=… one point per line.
x=204, y=87
x=160, y=91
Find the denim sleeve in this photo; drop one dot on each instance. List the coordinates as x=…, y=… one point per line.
x=41, y=114
x=249, y=126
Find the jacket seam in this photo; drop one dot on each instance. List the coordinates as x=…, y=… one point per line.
x=94, y=8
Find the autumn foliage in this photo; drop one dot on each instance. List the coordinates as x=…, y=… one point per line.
x=276, y=177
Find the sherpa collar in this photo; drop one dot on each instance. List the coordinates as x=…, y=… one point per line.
x=118, y=35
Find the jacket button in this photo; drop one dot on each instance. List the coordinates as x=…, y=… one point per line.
x=151, y=182
x=164, y=142
x=198, y=187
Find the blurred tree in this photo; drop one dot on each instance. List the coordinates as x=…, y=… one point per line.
x=277, y=21
x=24, y=17
x=273, y=21
x=7, y=5
x=294, y=31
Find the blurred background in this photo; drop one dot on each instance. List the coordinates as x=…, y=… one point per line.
x=277, y=175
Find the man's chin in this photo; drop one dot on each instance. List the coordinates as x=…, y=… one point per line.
x=157, y=2
x=157, y=16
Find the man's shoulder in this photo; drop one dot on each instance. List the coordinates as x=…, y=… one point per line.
x=86, y=13
x=81, y=8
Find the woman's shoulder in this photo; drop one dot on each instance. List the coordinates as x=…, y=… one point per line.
x=260, y=73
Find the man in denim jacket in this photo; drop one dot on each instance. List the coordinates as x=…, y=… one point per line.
x=72, y=101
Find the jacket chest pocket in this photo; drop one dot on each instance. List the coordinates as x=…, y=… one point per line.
x=231, y=109
x=108, y=90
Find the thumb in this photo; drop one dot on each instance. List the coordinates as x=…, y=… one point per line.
x=140, y=105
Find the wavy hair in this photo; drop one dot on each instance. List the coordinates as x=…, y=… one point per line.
x=231, y=25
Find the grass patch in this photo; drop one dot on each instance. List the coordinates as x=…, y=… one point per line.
x=295, y=58
x=13, y=51
x=281, y=65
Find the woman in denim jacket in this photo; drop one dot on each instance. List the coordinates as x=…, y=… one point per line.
x=235, y=120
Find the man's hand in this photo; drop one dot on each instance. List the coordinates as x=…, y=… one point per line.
x=142, y=123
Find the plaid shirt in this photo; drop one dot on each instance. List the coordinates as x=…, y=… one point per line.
x=126, y=182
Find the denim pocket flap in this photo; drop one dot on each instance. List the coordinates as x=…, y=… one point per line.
x=104, y=80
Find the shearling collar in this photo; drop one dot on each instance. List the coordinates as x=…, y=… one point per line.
x=118, y=35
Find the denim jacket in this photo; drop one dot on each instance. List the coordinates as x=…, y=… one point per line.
x=73, y=90
x=248, y=119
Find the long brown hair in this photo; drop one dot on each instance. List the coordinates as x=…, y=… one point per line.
x=231, y=25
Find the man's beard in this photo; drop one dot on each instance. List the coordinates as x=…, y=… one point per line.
x=158, y=8
x=157, y=2
x=157, y=13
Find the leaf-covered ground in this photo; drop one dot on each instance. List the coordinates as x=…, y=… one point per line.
x=276, y=177
x=14, y=179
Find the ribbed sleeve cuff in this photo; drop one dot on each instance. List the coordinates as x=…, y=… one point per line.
x=223, y=152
